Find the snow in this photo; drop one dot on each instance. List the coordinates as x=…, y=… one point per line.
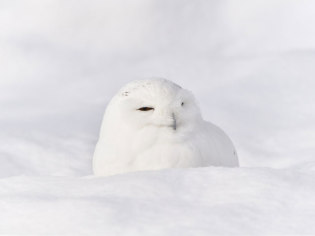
x=251, y=67
x=202, y=201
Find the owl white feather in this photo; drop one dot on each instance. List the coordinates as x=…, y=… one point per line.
x=155, y=124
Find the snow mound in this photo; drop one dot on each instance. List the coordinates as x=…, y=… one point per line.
x=202, y=201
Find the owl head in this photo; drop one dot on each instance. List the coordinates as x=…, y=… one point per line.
x=157, y=103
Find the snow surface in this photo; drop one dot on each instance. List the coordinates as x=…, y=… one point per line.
x=204, y=201
x=251, y=67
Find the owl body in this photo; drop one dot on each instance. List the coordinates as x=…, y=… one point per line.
x=155, y=124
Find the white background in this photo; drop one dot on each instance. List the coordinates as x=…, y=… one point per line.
x=249, y=63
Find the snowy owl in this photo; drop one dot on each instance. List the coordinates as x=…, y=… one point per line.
x=155, y=124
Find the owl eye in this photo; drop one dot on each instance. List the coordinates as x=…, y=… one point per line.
x=182, y=104
x=145, y=108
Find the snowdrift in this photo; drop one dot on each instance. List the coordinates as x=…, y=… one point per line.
x=202, y=201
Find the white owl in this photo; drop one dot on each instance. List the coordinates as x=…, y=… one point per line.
x=155, y=124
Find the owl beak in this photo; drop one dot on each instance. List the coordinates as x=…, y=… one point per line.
x=174, y=121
